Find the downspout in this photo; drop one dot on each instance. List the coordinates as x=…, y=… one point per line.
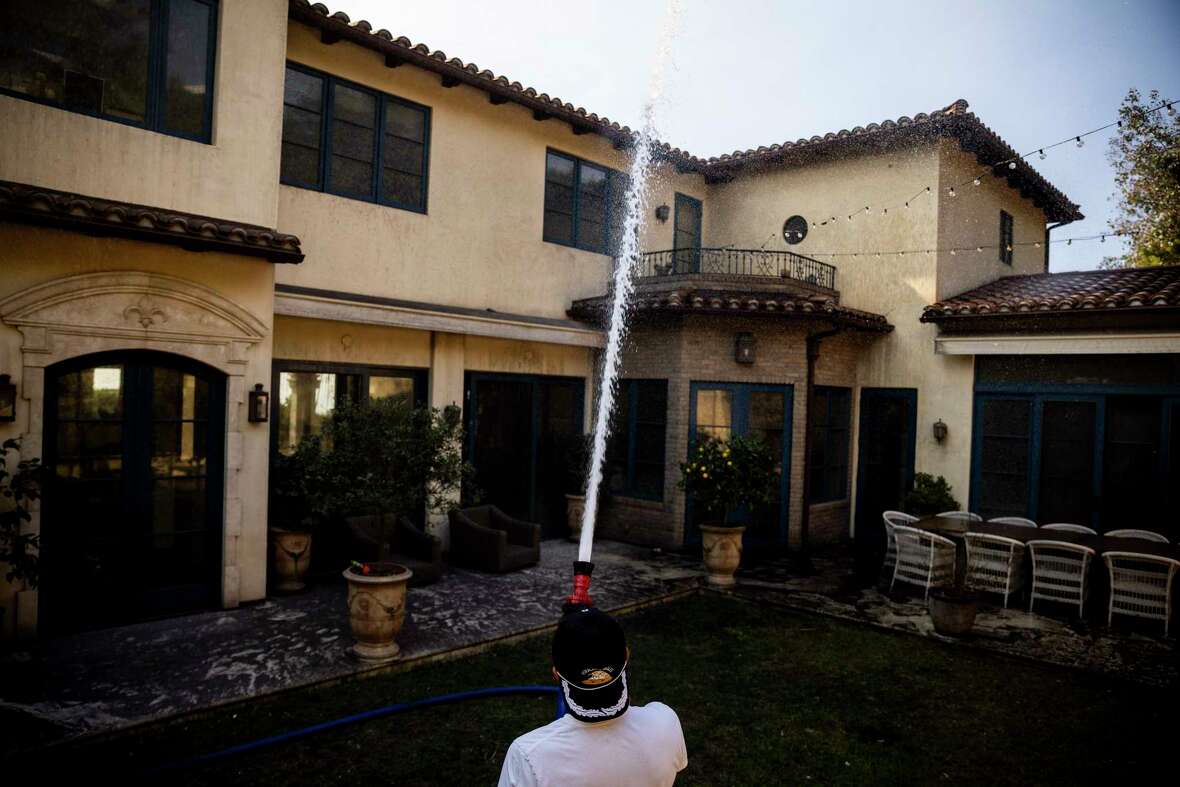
x=1049, y=229
x=813, y=340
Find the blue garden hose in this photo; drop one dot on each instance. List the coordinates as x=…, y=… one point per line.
x=365, y=716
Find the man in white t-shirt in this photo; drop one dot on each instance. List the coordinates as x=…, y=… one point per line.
x=603, y=739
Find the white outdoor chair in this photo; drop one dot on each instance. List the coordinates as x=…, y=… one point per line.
x=1013, y=520
x=1070, y=528
x=892, y=518
x=924, y=559
x=962, y=515
x=1130, y=532
x=1140, y=585
x=1059, y=572
x=994, y=564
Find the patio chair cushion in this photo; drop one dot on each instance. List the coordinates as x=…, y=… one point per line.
x=418, y=551
x=486, y=538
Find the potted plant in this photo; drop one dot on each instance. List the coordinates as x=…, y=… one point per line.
x=952, y=610
x=722, y=475
x=576, y=452
x=388, y=456
x=19, y=488
x=298, y=505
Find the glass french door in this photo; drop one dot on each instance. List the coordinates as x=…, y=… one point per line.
x=686, y=234
x=131, y=519
x=885, y=470
x=722, y=410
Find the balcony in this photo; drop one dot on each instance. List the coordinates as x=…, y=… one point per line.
x=735, y=264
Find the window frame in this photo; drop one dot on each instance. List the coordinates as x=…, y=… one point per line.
x=1006, y=237
x=383, y=100
x=818, y=494
x=630, y=388
x=156, y=100
x=611, y=229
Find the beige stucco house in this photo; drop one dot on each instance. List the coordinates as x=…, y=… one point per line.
x=258, y=195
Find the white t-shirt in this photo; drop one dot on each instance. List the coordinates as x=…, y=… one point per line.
x=644, y=747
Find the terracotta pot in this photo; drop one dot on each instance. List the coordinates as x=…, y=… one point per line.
x=574, y=506
x=292, y=557
x=377, y=610
x=722, y=548
x=953, y=613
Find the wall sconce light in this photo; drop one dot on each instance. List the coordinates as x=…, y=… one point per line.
x=662, y=213
x=259, y=405
x=744, y=348
x=939, y=430
x=7, y=398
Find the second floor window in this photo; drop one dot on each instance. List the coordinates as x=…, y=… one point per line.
x=147, y=63
x=1005, y=237
x=583, y=203
x=348, y=140
x=828, y=463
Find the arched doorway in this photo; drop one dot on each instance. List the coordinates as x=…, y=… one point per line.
x=132, y=516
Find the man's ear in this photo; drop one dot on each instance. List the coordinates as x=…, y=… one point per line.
x=556, y=677
x=628, y=653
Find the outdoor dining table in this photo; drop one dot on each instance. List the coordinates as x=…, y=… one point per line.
x=955, y=528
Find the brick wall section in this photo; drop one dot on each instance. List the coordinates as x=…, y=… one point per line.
x=700, y=348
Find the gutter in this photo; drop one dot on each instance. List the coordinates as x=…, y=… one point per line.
x=1049, y=229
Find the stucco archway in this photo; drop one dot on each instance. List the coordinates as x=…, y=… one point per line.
x=91, y=313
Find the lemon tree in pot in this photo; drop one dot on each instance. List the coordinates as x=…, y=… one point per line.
x=388, y=457
x=721, y=476
x=20, y=485
x=298, y=508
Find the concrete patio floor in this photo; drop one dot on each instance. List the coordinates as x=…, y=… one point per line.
x=105, y=680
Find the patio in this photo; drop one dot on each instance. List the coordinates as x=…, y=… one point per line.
x=106, y=680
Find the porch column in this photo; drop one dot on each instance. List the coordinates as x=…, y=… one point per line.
x=447, y=358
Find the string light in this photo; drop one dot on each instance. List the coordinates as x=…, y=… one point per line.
x=1041, y=154
x=976, y=182
x=956, y=249
x=979, y=248
x=1079, y=141
x=866, y=210
x=954, y=252
x=951, y=192
x=1011, y=165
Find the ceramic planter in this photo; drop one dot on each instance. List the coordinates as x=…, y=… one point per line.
x=953, y=613
x=292, y=551
x=722, y=548
x=574, y=506
x=377, y=610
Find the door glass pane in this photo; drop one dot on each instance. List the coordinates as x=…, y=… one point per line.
x=384, y=387
x=302, y=116
x=766, y=421
x=187, y=63
x=89, y=55
x=1067, y=463
x=559, y=199
x=503, y=444
x=1132, y=488
x=353, y=135
x=714, y=413
x=305, y=399
x=560, y=420
x=1004, y=457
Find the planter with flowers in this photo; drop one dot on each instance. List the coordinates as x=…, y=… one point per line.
x=722, y=476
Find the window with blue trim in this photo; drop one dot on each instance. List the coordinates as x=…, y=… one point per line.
x=635, y=454
x=348, y=140
x=583, y=203
x=828, y=463
x=147, y=63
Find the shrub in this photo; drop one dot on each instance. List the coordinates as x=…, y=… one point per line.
x=724, y=474
x=930, y=495
x=18, y=489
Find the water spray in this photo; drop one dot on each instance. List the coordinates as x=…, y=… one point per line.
x=624, y=285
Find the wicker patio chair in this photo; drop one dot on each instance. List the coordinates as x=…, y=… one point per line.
x=1131, y=532
x=1069, y=527
x=924, y=559
x=1140, y=585
x=1059, y=572
x=962, y=515
x=994, y=564
x=892, y=518
x=1013, y=520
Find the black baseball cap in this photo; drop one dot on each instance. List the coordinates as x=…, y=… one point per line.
x=590, y=656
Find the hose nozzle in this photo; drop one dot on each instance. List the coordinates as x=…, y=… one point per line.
x=581, y=595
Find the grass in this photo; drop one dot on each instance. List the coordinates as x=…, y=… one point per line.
x=765, y=696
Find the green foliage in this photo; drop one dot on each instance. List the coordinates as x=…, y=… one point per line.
x=724, y=474
x=299, y=493
x=18, y=489
x=1145, y=154
x=930, y=495
x=390, y=456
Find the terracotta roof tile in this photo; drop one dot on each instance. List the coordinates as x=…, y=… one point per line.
x=23, y=203
x=1123, y=291
x=951, y=121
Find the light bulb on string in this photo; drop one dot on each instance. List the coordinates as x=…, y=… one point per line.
x=884, y=211
x=954, y=252
x=866, y=210
x=976, y=182
x=1079, y=142
x=979, y=248
x=1041, y=154
x=951, y=191
x=1011, y=165
x=907, y=204
x=1036, y=244
x=1103, y=239
x=1069, y=242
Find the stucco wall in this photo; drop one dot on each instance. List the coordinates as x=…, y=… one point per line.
x=235, y=177
x=479, y=245
x=31, y=257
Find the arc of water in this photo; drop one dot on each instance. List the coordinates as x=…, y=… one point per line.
x=624, y=282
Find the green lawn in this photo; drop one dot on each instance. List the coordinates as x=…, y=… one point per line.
x=765, y=696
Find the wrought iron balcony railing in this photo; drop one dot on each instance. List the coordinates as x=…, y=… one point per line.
x=737, y=262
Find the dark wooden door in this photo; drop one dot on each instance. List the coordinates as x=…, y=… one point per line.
x=885, y=468
x=131, y=521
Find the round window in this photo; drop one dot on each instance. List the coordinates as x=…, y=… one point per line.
x=794, y=229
